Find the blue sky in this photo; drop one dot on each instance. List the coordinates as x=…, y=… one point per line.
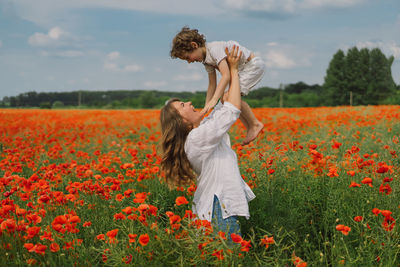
x=54, y=45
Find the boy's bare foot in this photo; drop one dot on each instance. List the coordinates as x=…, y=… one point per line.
x=252, y=133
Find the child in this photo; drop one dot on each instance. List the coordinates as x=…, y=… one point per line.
x=191, y=46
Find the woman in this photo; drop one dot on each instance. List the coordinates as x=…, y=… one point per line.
x=191, y=143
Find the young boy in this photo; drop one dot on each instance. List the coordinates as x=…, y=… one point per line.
x=191, y=46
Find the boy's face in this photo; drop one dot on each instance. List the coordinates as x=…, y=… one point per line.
x=196, y=55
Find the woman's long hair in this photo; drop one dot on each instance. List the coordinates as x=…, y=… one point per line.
x=174, y=161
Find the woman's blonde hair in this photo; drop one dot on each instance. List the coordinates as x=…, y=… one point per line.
x=174, y=161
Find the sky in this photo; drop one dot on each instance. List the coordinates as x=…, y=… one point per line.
x=69, y=45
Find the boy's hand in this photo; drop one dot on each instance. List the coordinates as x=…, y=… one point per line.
x=232, y=57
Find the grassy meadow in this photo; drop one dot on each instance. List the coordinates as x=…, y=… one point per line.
x=84, y=188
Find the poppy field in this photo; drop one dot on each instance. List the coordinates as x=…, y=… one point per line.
x=84, y=188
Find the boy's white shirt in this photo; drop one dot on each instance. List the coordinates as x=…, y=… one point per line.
x=215, y=52
x=209, y=151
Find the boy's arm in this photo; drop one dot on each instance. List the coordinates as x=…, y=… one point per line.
x=219, y=90
x=212, y=84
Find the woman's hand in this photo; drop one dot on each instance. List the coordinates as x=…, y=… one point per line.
x=232, y=57
x=210, y=105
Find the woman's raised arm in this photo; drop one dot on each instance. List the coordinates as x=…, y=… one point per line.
x=233, y=58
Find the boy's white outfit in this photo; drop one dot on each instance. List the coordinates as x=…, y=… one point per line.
x=250, y=72
x=209, y=152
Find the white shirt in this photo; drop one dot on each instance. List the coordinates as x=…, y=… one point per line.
x=215, y=52
x=209, y=151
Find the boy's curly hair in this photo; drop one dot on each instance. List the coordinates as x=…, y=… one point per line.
x=182, y=41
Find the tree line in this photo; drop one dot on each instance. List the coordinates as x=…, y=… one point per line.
x=358, y=77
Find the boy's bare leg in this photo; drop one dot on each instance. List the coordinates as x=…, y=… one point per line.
x=254, y=126
x=244, y=121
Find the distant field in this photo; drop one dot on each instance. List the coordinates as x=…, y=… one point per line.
x=84, y=188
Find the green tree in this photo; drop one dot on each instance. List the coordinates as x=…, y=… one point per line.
x=198, y=100
x=148, y=99
x=367, y=74
x=335, y=86
x=45, y=105
x=381, y=85
x=353, y=77
x=58, y=104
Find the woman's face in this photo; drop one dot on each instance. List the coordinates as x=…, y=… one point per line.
x=188, y=113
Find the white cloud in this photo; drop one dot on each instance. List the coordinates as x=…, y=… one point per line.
x=70, y=53
x=44, y=53
x=261, y=5
x=329, y=3
x=272, y=44
x=132, y=68
x=285, y=6
x=55, y=33
x=55, y=37
x=154, y=84
x=113, y=55
x=48, y=12
x=278, y=59
x=195, y=67
x=272, y=74
x=111, y=64
x=284, y=56
x=389, y=48
x=62, y=53
x=191, y=77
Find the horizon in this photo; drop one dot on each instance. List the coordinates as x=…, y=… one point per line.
x=88, y=45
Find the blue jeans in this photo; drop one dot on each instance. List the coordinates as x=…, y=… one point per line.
x=229, y=225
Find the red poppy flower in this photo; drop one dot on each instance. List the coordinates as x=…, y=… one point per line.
x=87, y=224
x=354, y=184
x=367, y=181
x=266, y=241
x=132, y=238
x=385, y=188
x=246, y=245
x=144, y=239
x=222, y=235
x=119, y=216
x=376, y=211
x=112, y=233
x=236, y=238
x=54, y=247
x=343, y=228
x=218, y=254
x=140, y=197
x=181, y=201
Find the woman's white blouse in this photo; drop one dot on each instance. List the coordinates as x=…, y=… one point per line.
x=209, y=151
